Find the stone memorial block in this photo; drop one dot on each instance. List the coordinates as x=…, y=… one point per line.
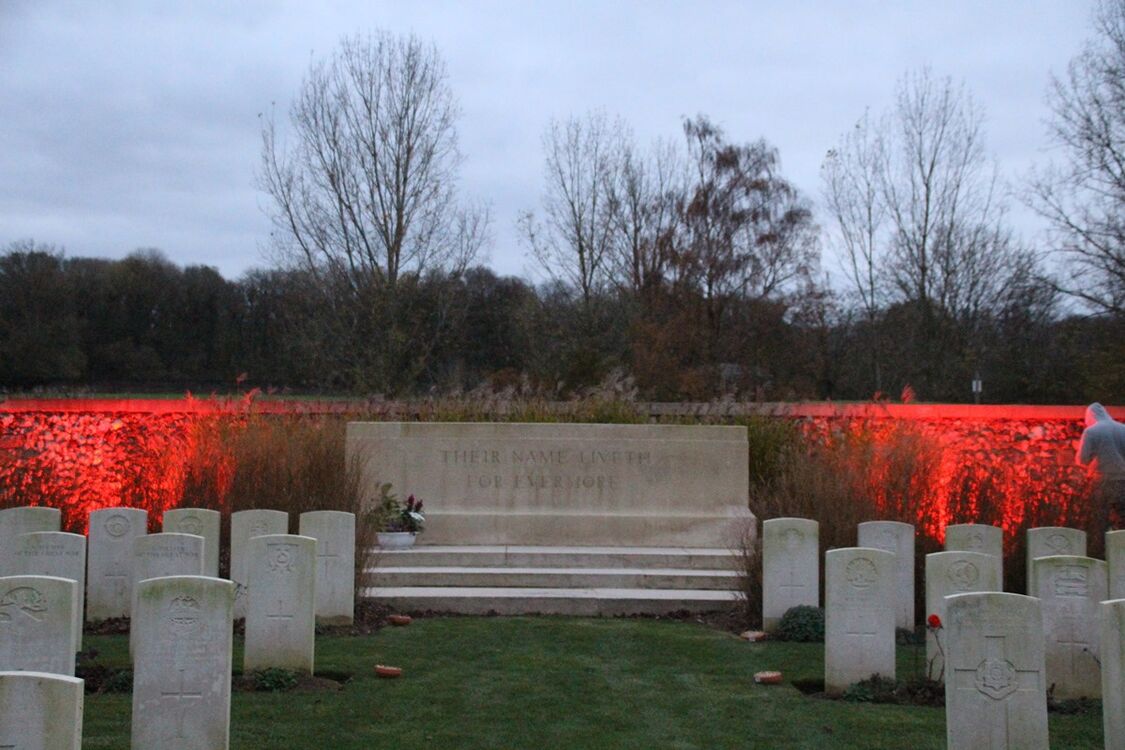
x=58, y=554
x=244, y=525
x=182, y=663
x=281, y=605
x=975, y=537
x=24, y=520
x=1113, y=672
x=898, y=538
x=1071, y=589
x=163, y=555
x=109, y=549
x=564, y=484
x=40, y=711
x=1115, y=560
x=201, y=522
x=37, y=624
x=860, y=591
x=1045, y=541
x=949, y=573
x=995, y=686
x=790, y=559
x=334, y=532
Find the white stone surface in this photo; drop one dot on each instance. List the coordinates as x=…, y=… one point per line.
x=570, y=484
x=109, y=550
x=1044, y=541
x=975, y=537
x=244, y=525
x=58, y=554
x=37, y=624
x=949, y=573
x=1071, y=589
x=860, y=591
x=201, y=522
x=182, y=663
x=896, y=537
x=162, y=555
x=1115, y=560
x=790, y=574
x=40, y=711
x=334, y=532
x=281, y=605
x=1113, y=672
x=996, y=687
x=23, y=520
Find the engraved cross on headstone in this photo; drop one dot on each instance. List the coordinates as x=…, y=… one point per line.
x=792, y=587
x=280, y=613
x=181, y=696
x=861, y=625
x=327, y=556
x=1070, y=638
x=117, y=578
x=997, y=679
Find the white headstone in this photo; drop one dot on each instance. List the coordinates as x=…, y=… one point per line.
x=975, y=537
x=1044, y=541
x=244, y=525
x=1115, y=560
x=995, y=687
x=109, y=549
x=860, y=590
x=58, y=554
x=24, y=520
x=790, y=577
x=1113, y=672
x=37, y=624
x=1071, y=588
x=40, y=711
x=182, y=663
x=949, y=573
x=896, y=537
x=163, y=555
x=334, y=532
x=201, y=522
x=280, y=612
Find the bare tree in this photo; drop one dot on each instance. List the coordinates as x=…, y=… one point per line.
x=1083, y=199
x=573, y=242
x=368, y=190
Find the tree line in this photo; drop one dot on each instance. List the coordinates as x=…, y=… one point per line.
x=689, y=268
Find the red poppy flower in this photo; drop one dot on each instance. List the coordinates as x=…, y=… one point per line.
x=933, y=621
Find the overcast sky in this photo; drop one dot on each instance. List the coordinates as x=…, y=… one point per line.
x=126, y=125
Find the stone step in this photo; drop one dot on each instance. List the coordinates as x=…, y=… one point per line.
x=513, y=556
x=549, y=601
x=554, y=577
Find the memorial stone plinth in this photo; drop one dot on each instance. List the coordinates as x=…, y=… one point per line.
x=564, y=484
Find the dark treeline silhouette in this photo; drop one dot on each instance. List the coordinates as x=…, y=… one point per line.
x=143, y=323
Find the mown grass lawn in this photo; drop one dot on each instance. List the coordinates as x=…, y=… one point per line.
x=547, y=683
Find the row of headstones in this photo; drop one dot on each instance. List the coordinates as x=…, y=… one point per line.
x=867, y=595
x=121, y=552
x=181, y=635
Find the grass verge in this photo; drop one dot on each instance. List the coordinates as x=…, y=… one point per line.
x=564, y=683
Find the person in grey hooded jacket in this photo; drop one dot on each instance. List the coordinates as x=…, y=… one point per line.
x=1103, y=447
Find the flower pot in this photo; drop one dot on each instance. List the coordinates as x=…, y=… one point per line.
x=396, y=539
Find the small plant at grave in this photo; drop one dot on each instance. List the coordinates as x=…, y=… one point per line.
x=392, y=516
x=875, y=689
x=803, y=624
x=933, y=625
x=273, y=680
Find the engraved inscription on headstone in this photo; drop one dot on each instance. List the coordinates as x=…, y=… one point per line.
x=109, y=576
x=55, y=553
x=860, y=597
x=1071, y=589
x=37, y=624
x=280, y=616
